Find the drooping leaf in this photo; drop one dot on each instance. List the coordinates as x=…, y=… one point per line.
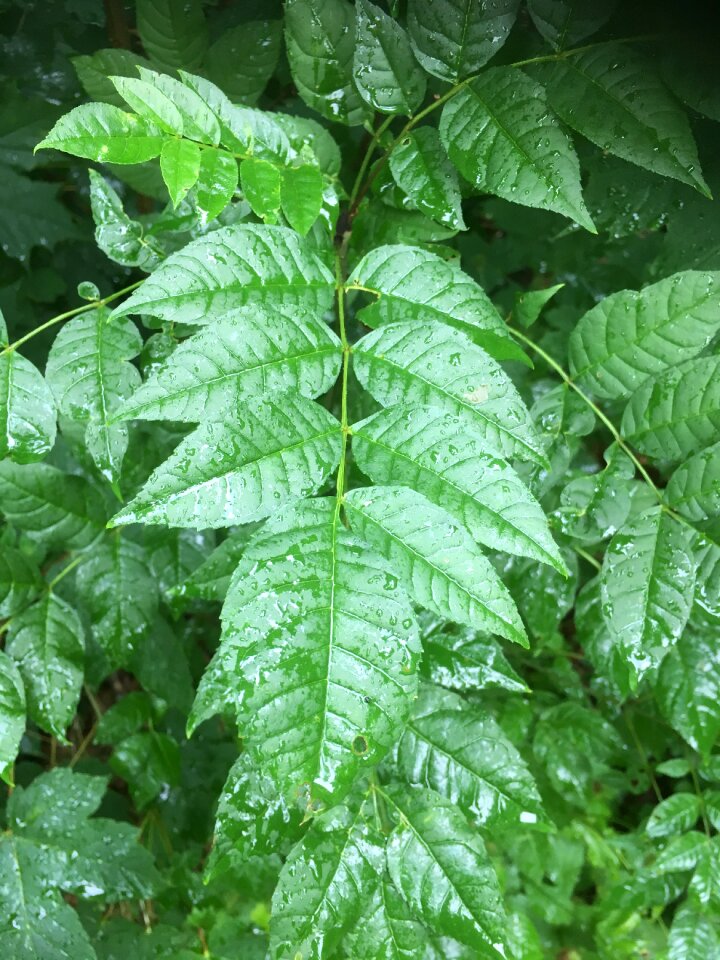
x=48, y=643
x=27, y=410
x=227, y=269
x=421, y=168
x=301, y=196
x=647, y=586
x=53, y=507
x=563, y=23
x=384, y=70
x=320, y=38
x=261, y=182
x=118, y=235
x=102, y=132
x=677, y=414
x=241, y=468
x=436, y=366
x=611, y=96
x=422, y=449
x=20, y=581
x=216, y=183
x=180, y=168
x=634, y=335
x=435, y=558
x=173, y=32
x=12, y=717
x=319, y=894
x=454, y=38
x=500, y=134
x=250, y=352
x=319, y=652
x=441, y=869
x=688, y=689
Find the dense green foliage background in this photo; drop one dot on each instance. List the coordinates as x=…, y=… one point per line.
x=528, y=766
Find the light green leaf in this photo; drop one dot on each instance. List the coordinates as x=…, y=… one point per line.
x=27, y=410
x=217, y=180
x=319, y=653
x=242, y=468
x=435, y=558
x=694, y=488
x=681, y=853
x=611, y=96
x=464, y=756
x=243, y=58
x=414, y=284
x=647, y=586
x=180, y=168
x=301, y=195
x=705, y=883
x=674, y=815
x=436, y=366
x=500, y=134
x=230, y=267
x=199, y=122
x=693, y=935
x=564, y=23
x=633, y=335
x=48, y=643
x=210, y=581
x=117, y=235
x=388, y=930
x=467, y=660
x=116, y=586
x=150, y=103
x=51, y=506
x=677, y=414
x=102, y=132
x=421, y=168
x=384, y=69
x=688, y=689
x=248, y=353
x=319, y=893
x=441, y=869
x=94, y=72
x=320, y=39
x=20, y=581
x=529, y=305
x=261, y=183
x=173, y=32
x=425, y=451
x=454, y=38
x=89, y=371
x=12, y=718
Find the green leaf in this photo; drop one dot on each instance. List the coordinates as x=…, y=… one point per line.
x=319, y=652
x=320, y=39
x=261, y=183
x=688, y=689
x=634, y=335
x=199, y=121
x=441, y=869
x=51, y=506
x=89, y=372
x=230, y=267
x=438, y=367
x=564, y=23
x=543, y=595
x=681, y=853
x=48, y=643
x=647, y=586
x=150, y=103
x=675, y=415
x=301, y=195
x=27, y=410
x=243, y=59
x=117, y=588
x=125, y=717
x=454, y=38
x=693, y=935
x=210, y=581
x=421, y=168
x=32, y=215
x=94, y=72
x=242, y=468
x=435, y=558
x=102, y=132
x=674, y=815
x=245, y=354
x=388, y=929
x=414, y=284
x=611, y=96
x=529, y=305
x=180, y=167
x=464, y=756
x=117, y=235
x=467, y=660
x=20, y=581
x=694, y=488
x=150, y=762
x=384, y=70
x=705, y=883
x=319, y=893
x=12, y=718
x=173, y=32
x=500, y=134
x=217, y=180
x=422, y=449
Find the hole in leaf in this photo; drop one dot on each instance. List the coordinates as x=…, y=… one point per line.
x=360, y=746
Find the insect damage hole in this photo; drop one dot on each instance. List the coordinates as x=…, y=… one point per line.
x=360, y=746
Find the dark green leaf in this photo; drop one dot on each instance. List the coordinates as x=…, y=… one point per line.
x=384, y=70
